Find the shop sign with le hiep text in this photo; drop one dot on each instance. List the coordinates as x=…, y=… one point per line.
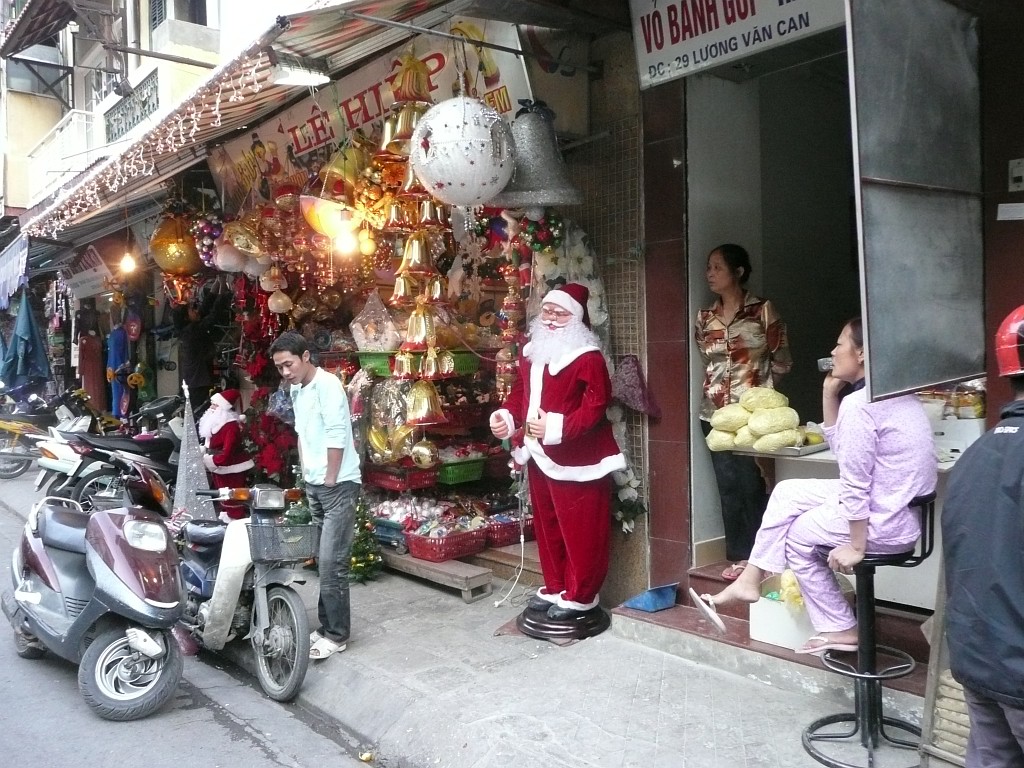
x=676, y=38
x=292, y=146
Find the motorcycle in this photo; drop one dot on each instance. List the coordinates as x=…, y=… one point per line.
x=103, y=591
x=74, y=465
x=237, y=585
x=25, y=424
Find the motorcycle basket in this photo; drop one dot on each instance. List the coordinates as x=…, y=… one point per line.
x=273, y=542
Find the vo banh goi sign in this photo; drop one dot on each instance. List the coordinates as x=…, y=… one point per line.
x=675, y=39
x=294, y=145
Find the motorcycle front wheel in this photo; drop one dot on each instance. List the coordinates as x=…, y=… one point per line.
x=282, y=653
x=10, y=467
x=119, y=683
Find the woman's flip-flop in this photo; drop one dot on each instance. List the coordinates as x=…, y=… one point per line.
x=824, y=644
x=325, y=648
x=733, y=571
x=707, y=607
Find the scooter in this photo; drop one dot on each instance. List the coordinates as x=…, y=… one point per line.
x=103, y=591
x=237, y=585
x=26, y=424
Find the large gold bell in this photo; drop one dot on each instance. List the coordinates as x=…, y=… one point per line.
x=420, y=333
x=423, y=405
x=401, y=440
x=405, y=367
x=406, y=290
x=387, y=136
x=409, y=115
x=416, y=256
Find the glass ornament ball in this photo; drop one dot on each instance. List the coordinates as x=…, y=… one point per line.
x=462, y=151
x=173, y=248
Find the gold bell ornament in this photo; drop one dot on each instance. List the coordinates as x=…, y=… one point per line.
x=387, y=135
x=405, y=292
x=446, y=364
x=396, y=220
x=401, y=440
x=380, y=450
x=416, y=256
x=424, y=454
x=430, y=215
x=406, y=367
x=409, y=114
x=421, y=332
x=430, y=368
x=436, y=291
x=423, y=405
x=411, y=188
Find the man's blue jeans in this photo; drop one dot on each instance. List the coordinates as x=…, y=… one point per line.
x=333, y=510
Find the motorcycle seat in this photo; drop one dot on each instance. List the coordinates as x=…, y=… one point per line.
x=204, y=532
x=63, y=528
x=159, y=448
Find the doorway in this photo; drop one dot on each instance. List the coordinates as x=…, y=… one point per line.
x=770, y=167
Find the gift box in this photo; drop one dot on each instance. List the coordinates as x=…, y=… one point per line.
x=777, y=623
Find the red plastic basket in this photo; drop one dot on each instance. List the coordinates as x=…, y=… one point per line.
x=400, y=478
x=441, y=548
x=504, y=534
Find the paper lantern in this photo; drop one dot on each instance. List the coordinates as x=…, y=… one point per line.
x=173, y=247
x=462, y=151
x=279, y=302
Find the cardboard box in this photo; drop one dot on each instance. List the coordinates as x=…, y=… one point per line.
x=774, y=622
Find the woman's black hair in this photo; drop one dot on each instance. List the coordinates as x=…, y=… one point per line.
x=289, y=341
x=856, y=332
x=736, y=258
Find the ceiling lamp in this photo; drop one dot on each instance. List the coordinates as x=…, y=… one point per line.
x=294, y=70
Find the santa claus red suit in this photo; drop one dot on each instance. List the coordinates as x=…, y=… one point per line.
x=221, y=429
x=555, y=416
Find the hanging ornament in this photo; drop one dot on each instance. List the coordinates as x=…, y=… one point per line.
x=416, y=256
x=273, y=280
x=420, y=332
x=229, y=259
x=462, y=151
x=423, y=405
x=424, y=454
x=243, y=236
x=173, y=248
x=205, y=230
x=254, y=267
x=279, y=303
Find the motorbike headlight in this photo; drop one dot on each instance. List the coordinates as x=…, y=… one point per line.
x=144, y=534
x=268, y=498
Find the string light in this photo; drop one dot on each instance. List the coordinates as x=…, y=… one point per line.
x=175, y=132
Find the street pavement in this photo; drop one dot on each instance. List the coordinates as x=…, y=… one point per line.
x=428, y=681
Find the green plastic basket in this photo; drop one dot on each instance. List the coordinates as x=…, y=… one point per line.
x=457, y=472
x=378, y=363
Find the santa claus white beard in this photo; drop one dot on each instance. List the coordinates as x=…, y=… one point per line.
x=211, y=421
x=548, y=344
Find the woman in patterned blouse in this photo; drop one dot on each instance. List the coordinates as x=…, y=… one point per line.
x=742, y=341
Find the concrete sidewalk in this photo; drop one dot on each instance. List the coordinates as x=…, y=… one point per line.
x=426, y=682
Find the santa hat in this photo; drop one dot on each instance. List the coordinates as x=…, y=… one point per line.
x=572, y=297
x=227, y=399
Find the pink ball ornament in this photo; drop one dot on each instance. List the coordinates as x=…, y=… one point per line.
x=461, y=151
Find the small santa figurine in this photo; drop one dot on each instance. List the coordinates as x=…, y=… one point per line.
x=555, y=416
x=220, y=428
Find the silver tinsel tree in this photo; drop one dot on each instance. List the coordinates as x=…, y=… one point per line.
x=191, y=472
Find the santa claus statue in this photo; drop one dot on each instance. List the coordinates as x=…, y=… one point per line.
x=555, y=416
x=220, y=428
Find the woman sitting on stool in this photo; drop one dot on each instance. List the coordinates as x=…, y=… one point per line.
x=886, y=458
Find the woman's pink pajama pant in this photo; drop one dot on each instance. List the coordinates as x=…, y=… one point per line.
x=801, y=515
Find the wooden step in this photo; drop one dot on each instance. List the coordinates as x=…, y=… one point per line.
x=504, y=561
x=473, y=581
x=894, y=626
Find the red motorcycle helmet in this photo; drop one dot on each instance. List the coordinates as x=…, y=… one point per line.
x=1010, y=344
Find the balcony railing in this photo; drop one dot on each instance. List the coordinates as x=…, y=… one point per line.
x=64, y=152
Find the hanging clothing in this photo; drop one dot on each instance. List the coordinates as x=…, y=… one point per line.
x=118, y=354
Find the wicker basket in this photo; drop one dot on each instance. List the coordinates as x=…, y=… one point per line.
x=456, y=472
x=401, y=478
x=441, y=548
x=274, y=543
x=503, y=534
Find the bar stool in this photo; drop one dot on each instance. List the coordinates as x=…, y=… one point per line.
x=867, y=718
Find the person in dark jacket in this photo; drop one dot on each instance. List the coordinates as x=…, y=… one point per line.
x=197, y=340
x=983, y=542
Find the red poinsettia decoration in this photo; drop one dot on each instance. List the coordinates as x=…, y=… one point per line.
x=271, y=442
